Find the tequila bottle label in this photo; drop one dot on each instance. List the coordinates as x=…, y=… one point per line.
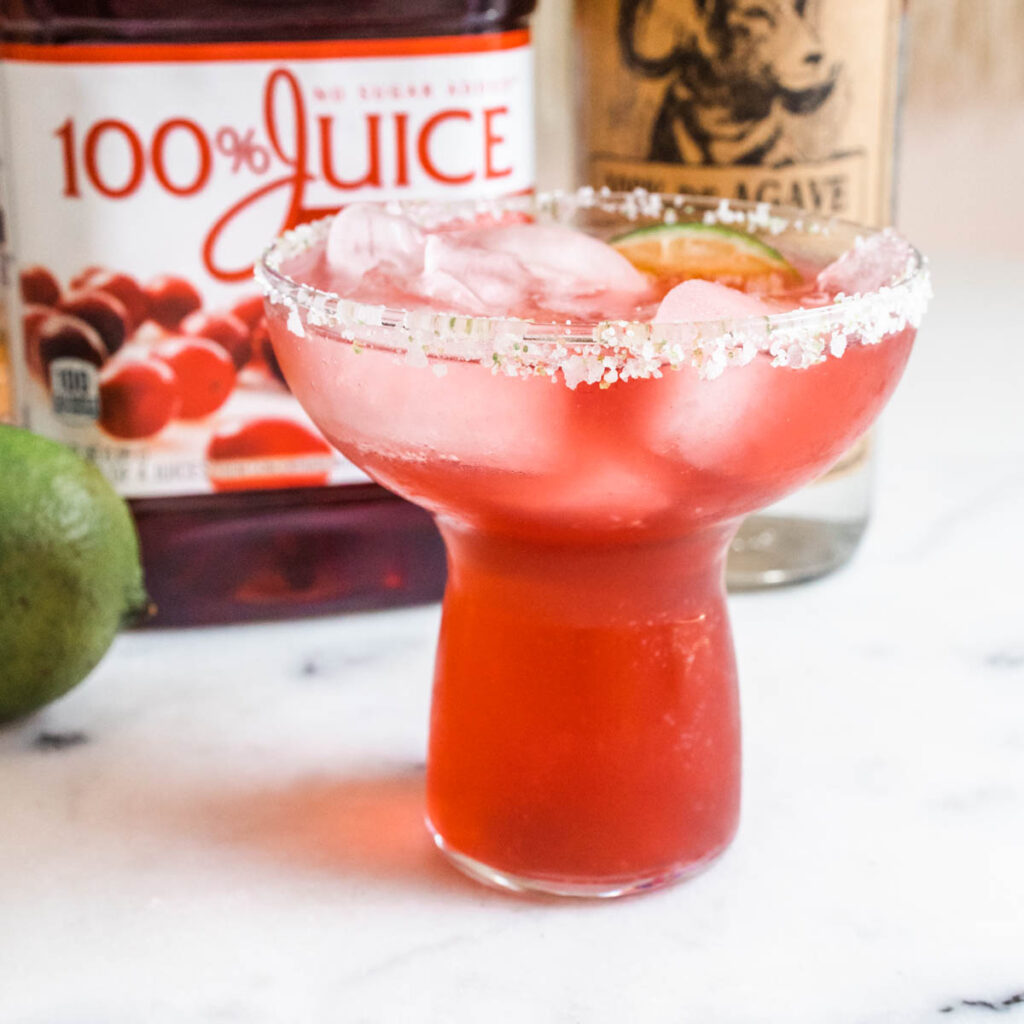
x=782, y=101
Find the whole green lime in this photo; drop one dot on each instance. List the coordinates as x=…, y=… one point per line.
x=69, y=570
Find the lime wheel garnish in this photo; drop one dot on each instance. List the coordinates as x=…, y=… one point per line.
x=707, y=251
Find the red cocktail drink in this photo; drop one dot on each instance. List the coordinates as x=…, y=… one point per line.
x=588, y=452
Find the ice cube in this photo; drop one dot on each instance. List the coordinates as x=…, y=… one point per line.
x=871, y=263
x=605, y=492
x=708, y=423
x=446, y=293
x=462, y=421
x=567, y=261
x=472, y=279
x=365, y=237
x=696, y=301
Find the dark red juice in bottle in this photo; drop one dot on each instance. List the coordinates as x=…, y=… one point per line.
x=149, y=151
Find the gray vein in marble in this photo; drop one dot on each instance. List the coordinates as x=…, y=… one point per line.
x=1005, y=660
x=416, y=953
x=330, y=665
x=996, y=1005
x=55, y=741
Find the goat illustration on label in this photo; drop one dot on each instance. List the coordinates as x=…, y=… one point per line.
x=747, y=84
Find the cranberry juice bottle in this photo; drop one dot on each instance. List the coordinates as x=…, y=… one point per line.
x=150, y=151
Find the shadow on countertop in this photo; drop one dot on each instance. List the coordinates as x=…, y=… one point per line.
x=370, y=826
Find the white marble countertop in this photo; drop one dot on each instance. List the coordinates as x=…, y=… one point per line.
x=224, y=825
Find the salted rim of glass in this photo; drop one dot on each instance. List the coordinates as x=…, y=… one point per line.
x=610, y=350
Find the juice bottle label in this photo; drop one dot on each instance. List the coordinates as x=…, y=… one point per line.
x=783, y=101
x=142, y=181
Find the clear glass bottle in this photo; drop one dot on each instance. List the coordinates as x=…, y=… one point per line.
x=152, y=150
x=783, y=101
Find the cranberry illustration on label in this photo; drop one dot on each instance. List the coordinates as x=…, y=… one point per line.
x=102, y=312
x=122, y=287
x=249, y=310
x=39, y=286
x=265, y=349
x=204, y=371
x=138, y=397
x=226, y=329
x=32, y=319
x=267, y=452
x=170, y=300
x=84, y=276
x=62, y=336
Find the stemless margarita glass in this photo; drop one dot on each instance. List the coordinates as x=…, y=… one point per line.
x=587, y=479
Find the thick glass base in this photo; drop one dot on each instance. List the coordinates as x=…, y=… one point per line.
x=604, y=888
x=810, y=533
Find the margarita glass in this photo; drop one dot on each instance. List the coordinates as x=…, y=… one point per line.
x=587, y=477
